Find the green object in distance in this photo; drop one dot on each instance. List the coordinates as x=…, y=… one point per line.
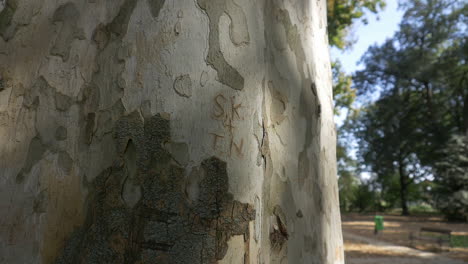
x=378, y=220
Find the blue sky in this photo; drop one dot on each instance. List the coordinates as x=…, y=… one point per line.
x=376, y=31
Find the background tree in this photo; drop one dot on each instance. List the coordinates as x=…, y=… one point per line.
x=341, y=15
x=451, y=189
x=419, y=77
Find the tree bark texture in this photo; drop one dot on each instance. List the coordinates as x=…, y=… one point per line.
x=152, y=131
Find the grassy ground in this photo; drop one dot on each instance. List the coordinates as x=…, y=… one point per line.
x=397, y=230
x=459, y=241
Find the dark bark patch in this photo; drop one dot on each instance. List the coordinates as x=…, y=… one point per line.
x=68, y=15
x=155, y=6
x=62, y=102
x=278, y=105
x=163, y=225
x=89, y=128
x=299, y=214
x=278, y=232
x=303, y=169
x=310, y=245
x=227, y=74
x=65, y=162
x=61, y=133
x=31, y=95
x=2, y=83
x=118, y=26
x=40, y=202
x=101, y=37
x=7, y=26
x=35, y=152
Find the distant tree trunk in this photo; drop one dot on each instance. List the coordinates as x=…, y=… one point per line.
x=403, y=189
x=465, y=113
x=153, y=131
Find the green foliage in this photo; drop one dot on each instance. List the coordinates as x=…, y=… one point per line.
x=347, y=185
x=452, y=178
x=388, y=138
x=342, y=13
x=389, y=194
x=365, y=198
x=422, y=209
x=459, y=241
x=420, y=78
x=344, y=94
x=348, y=181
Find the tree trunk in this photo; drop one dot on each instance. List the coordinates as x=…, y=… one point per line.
x=465, y=114
x=152, y=131
x=403, y=189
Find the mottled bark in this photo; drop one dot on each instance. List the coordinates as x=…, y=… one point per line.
x=153, y=131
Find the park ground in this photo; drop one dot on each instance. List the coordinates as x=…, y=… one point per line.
x=393, y=246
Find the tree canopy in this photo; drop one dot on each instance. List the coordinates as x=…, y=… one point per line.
x=420, y=79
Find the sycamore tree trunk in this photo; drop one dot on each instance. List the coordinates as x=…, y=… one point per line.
x=176, y=131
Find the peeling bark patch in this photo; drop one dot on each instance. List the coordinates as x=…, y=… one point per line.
x=227, y=74
x=278, y=233
x=118, y=26
x=310, y=245
x=303, y=168
x=155, y=6
x=108, y=39
x=68, y=15
x=89, y=128
x=183, y=85
x=101, y=37
x=31, y=95
x=318, y=197
x=278, y=105
x=62, y=102
x=179, y=151
x=306, y=104
x=2, y=83
x=177, y=28
x=292, y=35
x=299, y=214
x=7, y=26
x=100, y=111
x=131, y=191
x=61, y=133
x=40, y=202
x=65, y=162
x=161, y=225
x=238, y=30
x=35, y=152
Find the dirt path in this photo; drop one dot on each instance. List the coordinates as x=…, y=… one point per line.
x=393, y=254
